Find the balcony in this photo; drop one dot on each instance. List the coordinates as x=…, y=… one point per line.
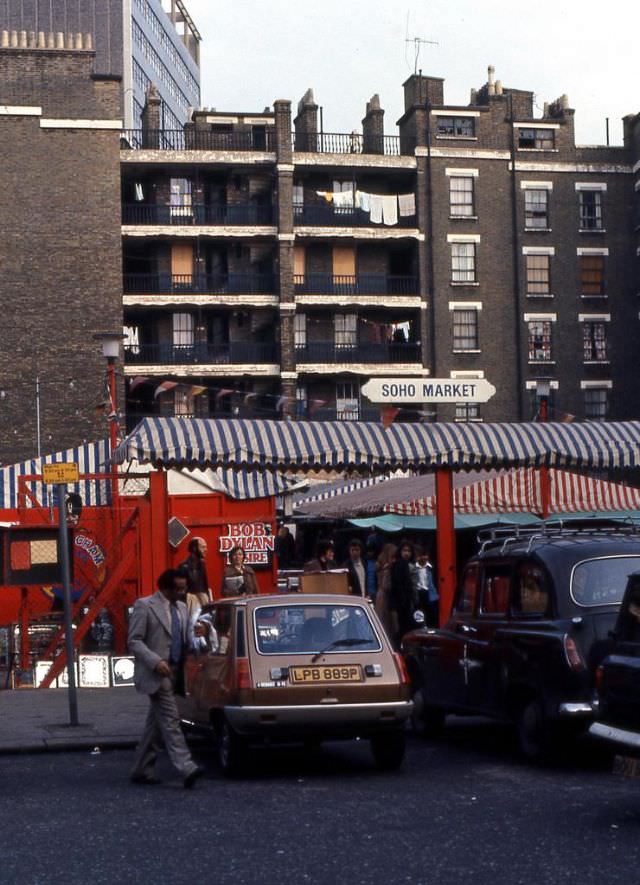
x=203, y=353
x=197, y=214
x=352, y=143
x=333, y=216
x=362, y=284
x=328, y=352
x=197, y=140
x=202, y=284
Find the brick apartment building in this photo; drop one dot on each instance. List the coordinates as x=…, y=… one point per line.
x=60, y=250
x=273, y=268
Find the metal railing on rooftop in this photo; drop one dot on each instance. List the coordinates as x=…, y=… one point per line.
x=339, y=216
x=191, y=139
x=203, y=353
x=352, y=143
x=329, y=352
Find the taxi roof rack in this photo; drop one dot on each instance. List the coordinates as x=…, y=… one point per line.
x=504, y=535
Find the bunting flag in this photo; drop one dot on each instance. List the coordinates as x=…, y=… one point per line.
x=197, y=389
x=163, y=387
x=224, y=391
x=247, y=398
x=137, y=381
x=282, y=402
x=388, y=415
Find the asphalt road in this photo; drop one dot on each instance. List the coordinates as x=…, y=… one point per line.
x=464, y=806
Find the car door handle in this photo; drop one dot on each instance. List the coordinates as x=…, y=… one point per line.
x=466, y=628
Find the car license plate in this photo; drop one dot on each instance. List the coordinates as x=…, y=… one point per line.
x=335, y=673
x=628, y=766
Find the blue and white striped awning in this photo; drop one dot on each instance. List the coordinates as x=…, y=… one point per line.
x=90, y=458
x=246, y=484
x=348, y=444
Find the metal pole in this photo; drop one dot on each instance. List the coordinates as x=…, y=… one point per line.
x=38, y=435
x=66, y=588
x=445, y=541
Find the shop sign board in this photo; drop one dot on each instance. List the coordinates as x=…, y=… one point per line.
x=255, y=538
x=428, y=390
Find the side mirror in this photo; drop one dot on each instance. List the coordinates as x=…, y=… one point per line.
x=418, y=617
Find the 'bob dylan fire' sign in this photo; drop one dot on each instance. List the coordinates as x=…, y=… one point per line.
x=255, y=538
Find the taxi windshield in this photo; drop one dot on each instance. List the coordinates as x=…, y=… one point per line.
x=308, y=629
x=602, y=581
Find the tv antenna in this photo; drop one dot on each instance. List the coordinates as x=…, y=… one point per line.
x=418, y=43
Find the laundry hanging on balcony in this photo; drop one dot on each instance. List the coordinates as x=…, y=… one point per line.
x=382, y=208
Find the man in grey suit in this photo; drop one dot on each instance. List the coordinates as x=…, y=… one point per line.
x=158, y=640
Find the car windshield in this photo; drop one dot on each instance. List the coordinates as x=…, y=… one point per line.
x=308, y=629
x=602, y=581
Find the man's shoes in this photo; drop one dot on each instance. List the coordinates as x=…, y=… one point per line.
x=146, y=780
x=192, y=777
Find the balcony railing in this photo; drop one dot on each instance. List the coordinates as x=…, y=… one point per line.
x=153, y=213
x=197, y=140
x=352, y=143
x=371, y=352
x=334, y=216
x=204, y=353
x=203, y=284
x=362, y=284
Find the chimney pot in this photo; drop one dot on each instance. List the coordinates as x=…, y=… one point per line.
x=79, y=42
x=59, y=40
x=22, y=40
x=88, y=41
x=51, y=40
x=13, y=41
x=4, y=39
x=31, y=39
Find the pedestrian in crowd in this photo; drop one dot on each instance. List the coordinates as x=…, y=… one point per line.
x=383, y=583
x=285, y=547
x=356, y=567
x=402, y=602
x=374, y=541
x=158, y=641
x=238, y=579
x=371, y=573
x=425, y=590
x=196, y=569
x=324, y=558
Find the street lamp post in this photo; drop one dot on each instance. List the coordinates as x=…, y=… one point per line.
x=110, y=350
x=543, y=390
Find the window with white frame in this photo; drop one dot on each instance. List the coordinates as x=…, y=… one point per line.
x=467, y=412
x=183, y=403
x=347, y=401
x=301, y=399
x=536, y=209
x=300, y=330
x=539, y=338
x=461, y=202
x=346, y=330
x=594, y=341
x=592, y=276
x=590, y=209
x=182, y=329
x=536, y=139
x=538, y=274
x=596, y=403
x=465, y=328
x=463, y=262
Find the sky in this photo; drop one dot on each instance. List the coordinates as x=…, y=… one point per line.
x=254, y=52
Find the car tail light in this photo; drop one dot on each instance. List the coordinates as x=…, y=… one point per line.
x=573, y=656
x=243, y=674
x=401, y=667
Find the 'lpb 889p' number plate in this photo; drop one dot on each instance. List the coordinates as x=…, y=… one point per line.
x=337, y=673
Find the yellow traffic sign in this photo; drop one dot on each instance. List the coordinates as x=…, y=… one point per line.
x=60, y=473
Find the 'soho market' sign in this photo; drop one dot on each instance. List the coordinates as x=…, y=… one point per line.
x=255, y=538
x=428, y=390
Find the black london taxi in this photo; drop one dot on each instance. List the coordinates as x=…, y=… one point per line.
x=618, y=685
x=529, y=624
x=296, y=667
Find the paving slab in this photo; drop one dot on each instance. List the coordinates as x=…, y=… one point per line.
x=37, y=720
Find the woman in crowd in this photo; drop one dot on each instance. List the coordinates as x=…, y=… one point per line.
x=238, y=579
x=402, y=603
x=384, y=563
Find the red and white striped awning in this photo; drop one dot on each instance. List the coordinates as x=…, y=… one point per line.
x=519, y=491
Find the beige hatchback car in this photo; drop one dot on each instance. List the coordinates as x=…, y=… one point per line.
x=296, y=668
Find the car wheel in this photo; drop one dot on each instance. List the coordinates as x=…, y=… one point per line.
x=388, y=750
x=533, y=731
x=426, y=720
x=231, y=750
